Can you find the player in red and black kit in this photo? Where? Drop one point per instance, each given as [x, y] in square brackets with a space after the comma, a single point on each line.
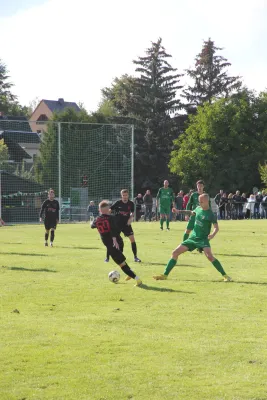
[50, 209]
[124, 214]
[106, 226]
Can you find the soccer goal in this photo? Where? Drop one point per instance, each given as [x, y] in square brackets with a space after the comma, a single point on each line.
[82, 162]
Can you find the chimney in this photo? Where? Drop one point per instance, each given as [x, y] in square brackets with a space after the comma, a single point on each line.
[61, 101]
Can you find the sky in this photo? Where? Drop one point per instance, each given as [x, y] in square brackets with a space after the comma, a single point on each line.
[72, 49]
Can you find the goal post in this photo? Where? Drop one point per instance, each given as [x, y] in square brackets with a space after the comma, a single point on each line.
[82, 162]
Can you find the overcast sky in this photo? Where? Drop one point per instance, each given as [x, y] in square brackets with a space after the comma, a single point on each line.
[73, 48]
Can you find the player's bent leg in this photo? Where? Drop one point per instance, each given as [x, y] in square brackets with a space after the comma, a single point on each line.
[171, 263]
[216, 263]
[127, 270]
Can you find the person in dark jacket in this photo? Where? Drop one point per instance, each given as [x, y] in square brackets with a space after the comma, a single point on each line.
[148, 202]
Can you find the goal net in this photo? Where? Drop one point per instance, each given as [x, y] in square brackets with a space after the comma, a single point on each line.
[82, 162]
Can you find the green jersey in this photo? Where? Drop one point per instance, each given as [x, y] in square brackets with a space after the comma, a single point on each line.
[165, 197]
[204, 220]
[193, 202]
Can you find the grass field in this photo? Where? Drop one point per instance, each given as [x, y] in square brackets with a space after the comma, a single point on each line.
[68, 333]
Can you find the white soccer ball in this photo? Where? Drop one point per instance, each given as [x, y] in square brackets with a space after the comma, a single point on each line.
[114, 276]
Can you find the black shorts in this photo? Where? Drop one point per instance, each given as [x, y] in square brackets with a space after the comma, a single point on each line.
[127, 230]
[117, 256]
[50, 224]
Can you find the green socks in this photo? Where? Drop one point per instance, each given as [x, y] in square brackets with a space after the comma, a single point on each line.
[170, 266]
[161, 222]
[186, 236]
[167, 223]
[216, 263]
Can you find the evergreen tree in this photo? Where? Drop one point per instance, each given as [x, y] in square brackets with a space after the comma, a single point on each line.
[8, 101]
[210, 77]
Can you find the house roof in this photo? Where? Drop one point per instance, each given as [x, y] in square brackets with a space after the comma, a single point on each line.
[15, 151]
[12, 184]
[20, 136]
[8, 122]
[60, 105]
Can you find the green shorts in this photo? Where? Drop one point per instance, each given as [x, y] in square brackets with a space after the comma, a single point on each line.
[165, 210]
[191, 223]
[195, 243]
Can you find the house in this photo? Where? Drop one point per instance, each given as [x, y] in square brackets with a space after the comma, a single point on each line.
[45, 110]
[23, 144]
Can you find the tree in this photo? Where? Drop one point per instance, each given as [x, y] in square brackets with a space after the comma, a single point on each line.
[8, 101]
[3, 153]
[224, 143]
[210, 77]
[263, 173]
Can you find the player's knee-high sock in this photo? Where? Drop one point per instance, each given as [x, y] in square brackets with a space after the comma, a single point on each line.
[52, 236]
[216, 263]
[186, 236]
[121, 243]
[171, 264]
[46, 236]
[161, 222]
[107, 255]
[127, 270]
[167, 222]
[134, 249]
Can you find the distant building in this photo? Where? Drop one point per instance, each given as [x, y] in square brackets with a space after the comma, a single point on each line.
[45, 110]
[23, 144]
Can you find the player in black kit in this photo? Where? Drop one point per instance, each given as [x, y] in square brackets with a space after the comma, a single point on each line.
[124, 214]
[50, 209]
[106, 226]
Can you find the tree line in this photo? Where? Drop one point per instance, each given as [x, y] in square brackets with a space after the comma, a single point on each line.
[212, 128]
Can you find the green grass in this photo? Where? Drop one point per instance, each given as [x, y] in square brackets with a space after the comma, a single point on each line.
[76, 336]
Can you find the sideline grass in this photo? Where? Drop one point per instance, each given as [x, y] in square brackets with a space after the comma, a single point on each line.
[68, 333]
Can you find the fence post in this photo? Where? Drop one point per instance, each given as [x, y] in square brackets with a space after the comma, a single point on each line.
[59, 169]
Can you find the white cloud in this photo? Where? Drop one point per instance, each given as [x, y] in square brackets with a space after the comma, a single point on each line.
[72, 49]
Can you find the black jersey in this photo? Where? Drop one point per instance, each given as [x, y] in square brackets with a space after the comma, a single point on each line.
[106, 226]
[122, 211]
[50, 209]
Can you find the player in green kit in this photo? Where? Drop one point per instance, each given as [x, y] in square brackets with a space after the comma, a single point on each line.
[165, 199]
[192, 204]
[200, 237]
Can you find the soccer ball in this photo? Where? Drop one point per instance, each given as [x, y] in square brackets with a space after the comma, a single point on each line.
[114, 276]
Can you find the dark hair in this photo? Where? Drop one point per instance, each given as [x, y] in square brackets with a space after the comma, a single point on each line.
[200, 182]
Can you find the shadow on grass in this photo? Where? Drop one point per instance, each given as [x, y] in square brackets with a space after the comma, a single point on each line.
[29, 269]
[227, 283]
[178, 265]
[23, 254]
[162, 289]
[237, 255]
[11, 242]
[78, 247]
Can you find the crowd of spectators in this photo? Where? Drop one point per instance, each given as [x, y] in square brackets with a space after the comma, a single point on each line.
[241, 206]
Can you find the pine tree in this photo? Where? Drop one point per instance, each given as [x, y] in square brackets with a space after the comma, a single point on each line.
[154, 101]
[210, 77]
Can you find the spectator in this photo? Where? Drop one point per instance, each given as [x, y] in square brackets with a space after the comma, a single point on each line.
[185, 200]
[148, 202]
[92, 210]
[179, 200]
[138, 201]
[223, 206]
[258, 200]
[237, 205]
[229, 206]
[244, 202]
[264, 205]
[218, 196]
[250, 206]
